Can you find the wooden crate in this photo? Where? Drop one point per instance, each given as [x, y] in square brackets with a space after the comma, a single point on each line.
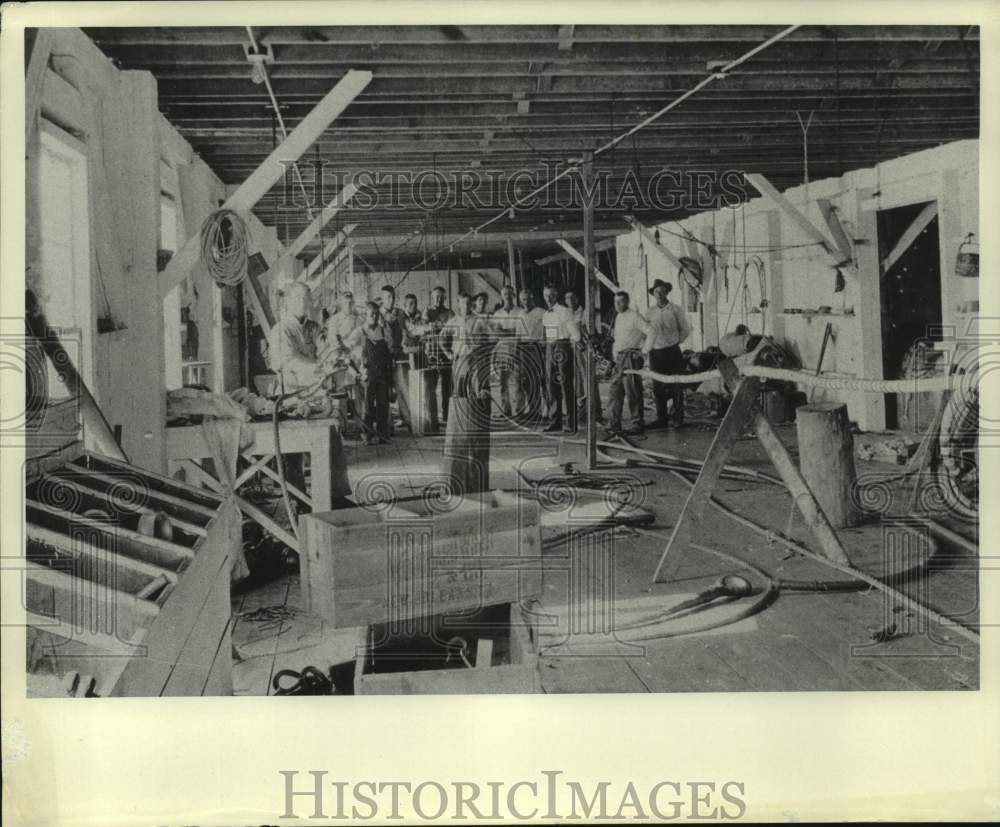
[419, 557]
[502, 655]
[143, 616]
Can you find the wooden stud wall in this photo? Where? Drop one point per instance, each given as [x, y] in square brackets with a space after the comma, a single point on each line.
[115, 115]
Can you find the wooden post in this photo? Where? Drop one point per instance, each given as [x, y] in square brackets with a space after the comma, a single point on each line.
[826, 459]
[467, 446]
[589, 289]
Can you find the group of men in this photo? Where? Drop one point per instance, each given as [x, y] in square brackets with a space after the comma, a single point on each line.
[536, 354]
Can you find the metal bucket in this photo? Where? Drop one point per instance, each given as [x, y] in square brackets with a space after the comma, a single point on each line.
[967, 261]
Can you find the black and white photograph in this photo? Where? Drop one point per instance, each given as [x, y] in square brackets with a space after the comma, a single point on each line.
[502, 359]
[498, 358]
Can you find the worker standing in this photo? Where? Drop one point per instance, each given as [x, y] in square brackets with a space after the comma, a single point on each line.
[412, 357]
[343, 323]
[482, 341]
[338, 327]
[438, 370]
[458, 344]
[630, 332]
[530, 367]
[394, 318]
[292, 352]
[580, 354]
[375, 338]
[561, 336]
[505, 329]
[670, 328]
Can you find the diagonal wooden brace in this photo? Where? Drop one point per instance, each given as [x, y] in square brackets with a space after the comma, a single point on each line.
[742, 409]
[844, 264]
[272, 169]
[649, 238]
[603, 279]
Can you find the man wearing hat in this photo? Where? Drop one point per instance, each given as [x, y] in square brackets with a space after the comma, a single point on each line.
[669, 328]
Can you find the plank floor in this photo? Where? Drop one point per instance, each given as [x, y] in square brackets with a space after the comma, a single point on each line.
[804, 641]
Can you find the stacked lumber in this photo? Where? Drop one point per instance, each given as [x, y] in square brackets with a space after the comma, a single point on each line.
[127, 581]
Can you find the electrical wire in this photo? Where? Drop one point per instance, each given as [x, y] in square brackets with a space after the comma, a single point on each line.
[281, 120]
[573, 165]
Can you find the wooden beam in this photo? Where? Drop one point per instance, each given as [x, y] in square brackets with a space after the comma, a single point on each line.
[511, 265]
[836, 228]
[802, 496]
[34, 80]
[574, 253]
[599, 246]
[917, 226]
[316, 225]
[710, 303]
[732, 426]
[34, 85]
[650, 239]
[329, 270]
[259, 303]
[273, 168]
[421, 37]
[328, 250]
[269, 525]
[566, 38]
[765, 188]
[590, 298]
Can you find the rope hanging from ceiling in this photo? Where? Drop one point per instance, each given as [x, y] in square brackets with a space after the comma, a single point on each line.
[224, 240]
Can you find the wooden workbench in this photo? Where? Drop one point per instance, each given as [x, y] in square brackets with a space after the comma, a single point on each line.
[320, 438]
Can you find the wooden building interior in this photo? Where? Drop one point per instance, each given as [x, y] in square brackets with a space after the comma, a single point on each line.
[818, 185]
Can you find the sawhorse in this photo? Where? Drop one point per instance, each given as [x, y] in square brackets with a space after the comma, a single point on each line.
[744, 410]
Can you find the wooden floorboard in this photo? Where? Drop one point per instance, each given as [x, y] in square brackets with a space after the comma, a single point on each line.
[589, 675]
[803, 642]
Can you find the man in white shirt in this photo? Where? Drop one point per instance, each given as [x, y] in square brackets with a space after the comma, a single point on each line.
[292, 343]
[580, 352]
[505, 328]
[670, 328]
[464, 338]
[342, 323]
[435, 318]
[631, 331]
[530, 367]
[561, 336]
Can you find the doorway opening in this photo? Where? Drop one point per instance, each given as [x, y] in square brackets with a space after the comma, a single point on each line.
[910, 294]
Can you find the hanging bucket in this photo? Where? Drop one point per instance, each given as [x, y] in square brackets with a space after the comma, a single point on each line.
[967, 261]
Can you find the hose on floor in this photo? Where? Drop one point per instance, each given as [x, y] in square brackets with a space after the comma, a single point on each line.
[883, 585]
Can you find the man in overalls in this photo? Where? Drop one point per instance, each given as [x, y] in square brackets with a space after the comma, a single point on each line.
[375, 338]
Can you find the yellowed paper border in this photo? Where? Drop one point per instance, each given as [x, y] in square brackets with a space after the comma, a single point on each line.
[216, 761]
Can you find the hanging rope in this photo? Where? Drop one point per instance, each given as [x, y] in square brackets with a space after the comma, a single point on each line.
[224, 240]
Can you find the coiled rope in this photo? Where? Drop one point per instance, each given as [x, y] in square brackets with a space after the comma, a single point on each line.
[224, 247]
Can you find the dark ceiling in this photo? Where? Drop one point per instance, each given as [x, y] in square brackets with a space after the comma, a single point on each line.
[474, 100]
